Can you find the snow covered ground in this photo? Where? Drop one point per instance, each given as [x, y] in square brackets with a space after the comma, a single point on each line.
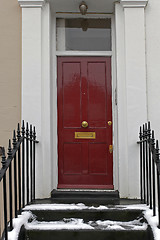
[75, 223]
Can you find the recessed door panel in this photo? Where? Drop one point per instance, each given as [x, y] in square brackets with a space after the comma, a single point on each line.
[97, 94]
[84, 109]
[71, 84]
[72, 158]
[97, 151]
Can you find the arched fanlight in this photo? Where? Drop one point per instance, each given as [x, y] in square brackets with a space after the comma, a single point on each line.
[83, 8]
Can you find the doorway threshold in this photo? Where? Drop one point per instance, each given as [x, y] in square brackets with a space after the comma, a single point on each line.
[84, 190]
[85, 196]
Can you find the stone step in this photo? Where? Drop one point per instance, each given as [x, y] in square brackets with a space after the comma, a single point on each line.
[114, 214]
[87, 197]
[83, 222]
[88, 234]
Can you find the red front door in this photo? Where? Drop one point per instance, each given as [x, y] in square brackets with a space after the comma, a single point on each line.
[84, 94]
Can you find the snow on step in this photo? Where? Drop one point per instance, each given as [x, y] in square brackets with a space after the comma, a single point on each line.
[17, 224]
[77, 224]
[79, 206]
[71, 224]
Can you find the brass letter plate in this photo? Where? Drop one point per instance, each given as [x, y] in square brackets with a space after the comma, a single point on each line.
[85, 135]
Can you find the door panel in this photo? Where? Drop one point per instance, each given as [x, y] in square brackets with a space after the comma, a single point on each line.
[84, 94]
[72, 165]
[97, 151]
[71, 94]
[97, 94]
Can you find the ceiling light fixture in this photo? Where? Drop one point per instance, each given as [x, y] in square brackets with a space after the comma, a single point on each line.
[83, 8]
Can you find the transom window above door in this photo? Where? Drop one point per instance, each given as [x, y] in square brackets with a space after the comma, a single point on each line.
[82, 34]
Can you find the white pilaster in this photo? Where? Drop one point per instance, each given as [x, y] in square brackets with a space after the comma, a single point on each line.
[134, 3]
[31, 3]
[131, 80]
[36, 84]
[122, 102]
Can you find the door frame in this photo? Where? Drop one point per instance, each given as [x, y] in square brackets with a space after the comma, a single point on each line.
[105, 179]
[56, 54]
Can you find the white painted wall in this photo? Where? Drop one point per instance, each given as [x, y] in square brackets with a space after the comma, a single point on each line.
[153, 63]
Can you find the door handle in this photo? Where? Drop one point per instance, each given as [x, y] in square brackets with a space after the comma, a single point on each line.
[109, 123]
[84, 124]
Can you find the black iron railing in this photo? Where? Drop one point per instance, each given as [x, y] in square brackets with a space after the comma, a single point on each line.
[149, 169]
[22, 184]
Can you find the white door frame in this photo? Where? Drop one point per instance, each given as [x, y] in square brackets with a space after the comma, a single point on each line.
[55, 54]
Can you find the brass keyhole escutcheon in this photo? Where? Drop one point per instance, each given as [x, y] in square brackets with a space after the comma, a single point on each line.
[109, 123]
[84, 124]
[110, 148]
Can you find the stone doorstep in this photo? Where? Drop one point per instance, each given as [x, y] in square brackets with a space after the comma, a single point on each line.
[124, 229]
[88, 234]
[88, 214]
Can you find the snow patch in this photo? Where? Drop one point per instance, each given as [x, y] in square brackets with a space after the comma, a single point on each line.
[115, 227]
[153, 222]
[148, 214]
[18, 223]
[79, 206]
[129, 223]
[72, 223]
[108, 224]
[76, 223]
[135, 206]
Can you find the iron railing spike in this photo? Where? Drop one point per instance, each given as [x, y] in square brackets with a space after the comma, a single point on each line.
[9, 148]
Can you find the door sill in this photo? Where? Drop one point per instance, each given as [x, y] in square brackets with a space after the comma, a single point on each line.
[85, 187]
[83, 190]
[85, 196]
